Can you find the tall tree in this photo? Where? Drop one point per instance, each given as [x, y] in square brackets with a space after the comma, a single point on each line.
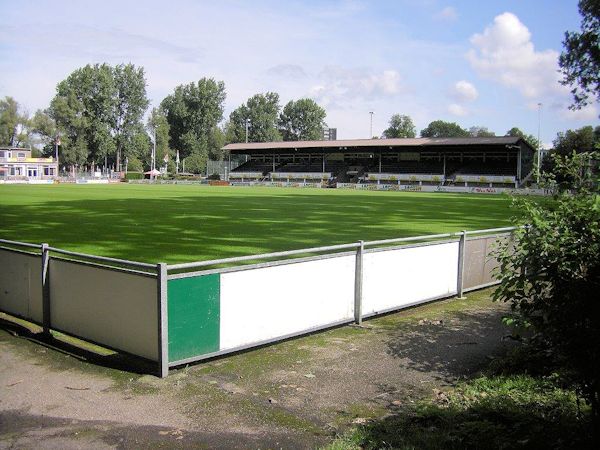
[129, 107]
[99, 109]
[580, 61]
[530, 138]
[158, 127]
[401, 126]
[261, 111]
[479, 131]
[583, 140]
[442, 129]
[302, 120]
[13, 123]
[216, 142]
[192, 112]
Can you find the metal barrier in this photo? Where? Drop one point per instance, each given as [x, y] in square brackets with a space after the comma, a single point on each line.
[179, 313]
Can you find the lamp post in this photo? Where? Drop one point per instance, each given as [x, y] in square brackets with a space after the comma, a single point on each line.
[153, 164]
[539, 143]
[56, 144]
[371, 134]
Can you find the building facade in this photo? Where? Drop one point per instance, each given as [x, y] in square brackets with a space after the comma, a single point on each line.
[18, 164]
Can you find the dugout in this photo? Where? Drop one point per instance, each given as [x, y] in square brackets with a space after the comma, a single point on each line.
[504, 161]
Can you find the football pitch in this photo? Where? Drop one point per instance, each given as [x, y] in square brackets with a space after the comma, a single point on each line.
[182, 223]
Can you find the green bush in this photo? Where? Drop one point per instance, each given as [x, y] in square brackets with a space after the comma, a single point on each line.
[551, 277]
[134, 176]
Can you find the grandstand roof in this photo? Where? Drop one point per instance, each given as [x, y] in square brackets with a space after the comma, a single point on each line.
[374, 144]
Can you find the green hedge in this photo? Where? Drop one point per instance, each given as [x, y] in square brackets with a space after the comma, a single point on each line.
[134, 176]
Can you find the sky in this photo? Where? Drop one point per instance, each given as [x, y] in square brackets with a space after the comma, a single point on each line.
[478, 63]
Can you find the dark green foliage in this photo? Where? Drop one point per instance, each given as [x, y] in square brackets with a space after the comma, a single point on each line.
[531, 139]
[551, 277]
[134, 176]
[582, 140]
[478, 131]
[262, 113]
[302, 120]
[195, 163]
[193, 112]
[9, 121]
[580, 61]
[401, 126]
[97, 111]
[442, 129]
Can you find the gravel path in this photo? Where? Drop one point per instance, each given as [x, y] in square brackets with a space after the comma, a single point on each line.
[295, 394]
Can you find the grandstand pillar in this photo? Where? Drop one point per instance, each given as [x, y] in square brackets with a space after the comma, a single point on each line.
[358, 275]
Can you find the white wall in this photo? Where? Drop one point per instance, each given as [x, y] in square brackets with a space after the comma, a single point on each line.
[261, 304]
[113, 308]
[21, 285]
[396, 278]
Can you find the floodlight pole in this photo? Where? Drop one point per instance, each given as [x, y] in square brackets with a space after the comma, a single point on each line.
[371, 134]
[539, 144]
[56, 144]
[247, 121]
[153, 153]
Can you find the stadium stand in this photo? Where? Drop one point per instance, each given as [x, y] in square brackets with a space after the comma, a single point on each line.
[496, 161]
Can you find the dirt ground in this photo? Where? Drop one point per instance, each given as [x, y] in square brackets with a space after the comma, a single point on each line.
[295, 394]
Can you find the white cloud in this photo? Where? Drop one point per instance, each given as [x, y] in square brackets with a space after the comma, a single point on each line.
[457, 110]
[337, 85]
[448, 14]
[289, 71]
[587, 113]
[504, 53]
[463, 91]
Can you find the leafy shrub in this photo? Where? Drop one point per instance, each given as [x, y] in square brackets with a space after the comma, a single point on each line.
[552, 275]
[134, 176]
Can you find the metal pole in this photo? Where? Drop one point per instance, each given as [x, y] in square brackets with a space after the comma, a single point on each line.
[45, 289]
[539, 144]
[461, 264]
[358, 275]
[163, 322]
[371, 134]
[153, 155]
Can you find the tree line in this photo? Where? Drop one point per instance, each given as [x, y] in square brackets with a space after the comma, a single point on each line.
[98, 114]
[97, 117]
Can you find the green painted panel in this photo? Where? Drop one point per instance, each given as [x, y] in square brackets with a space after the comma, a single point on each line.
[194, 316]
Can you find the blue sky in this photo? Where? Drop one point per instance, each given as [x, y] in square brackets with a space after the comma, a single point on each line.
[486, 63]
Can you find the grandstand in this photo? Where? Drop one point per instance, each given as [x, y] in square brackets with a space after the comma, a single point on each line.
[470, 162]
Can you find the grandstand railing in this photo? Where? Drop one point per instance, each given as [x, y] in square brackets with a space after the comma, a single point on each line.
[301, 175]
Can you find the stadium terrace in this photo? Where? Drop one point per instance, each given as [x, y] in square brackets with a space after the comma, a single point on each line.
[503, 162]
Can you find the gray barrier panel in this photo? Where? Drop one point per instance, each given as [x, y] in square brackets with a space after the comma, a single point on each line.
[21, 284]
[107, 306]
[479, 264]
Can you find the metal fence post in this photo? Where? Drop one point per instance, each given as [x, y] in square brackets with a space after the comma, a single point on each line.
[163, 324]
[461, 264]
[358, 276]
[45, 289]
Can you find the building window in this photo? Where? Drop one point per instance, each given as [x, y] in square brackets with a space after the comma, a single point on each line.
[21, 155]
[2, 154]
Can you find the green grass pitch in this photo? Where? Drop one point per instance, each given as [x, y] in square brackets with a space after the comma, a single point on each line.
[177, 223]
